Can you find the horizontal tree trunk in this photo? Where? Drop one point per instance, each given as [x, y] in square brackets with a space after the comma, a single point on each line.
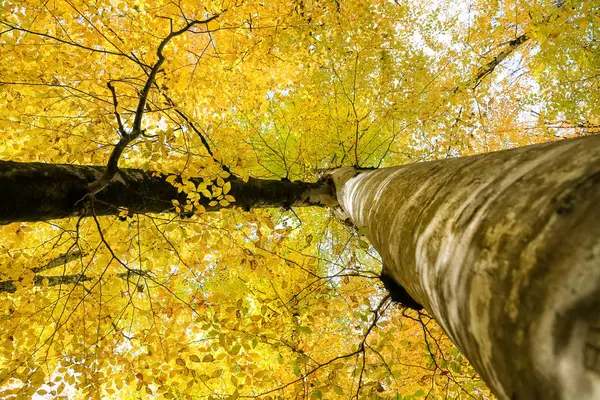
[503, 249]
[39, 192]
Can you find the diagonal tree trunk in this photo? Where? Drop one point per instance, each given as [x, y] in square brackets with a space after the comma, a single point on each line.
[503, 249]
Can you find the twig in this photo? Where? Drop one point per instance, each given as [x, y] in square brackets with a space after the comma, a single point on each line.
[115, 103]
[126, 138]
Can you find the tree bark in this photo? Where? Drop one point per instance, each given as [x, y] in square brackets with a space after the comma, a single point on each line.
[39, 192]
[503, 249]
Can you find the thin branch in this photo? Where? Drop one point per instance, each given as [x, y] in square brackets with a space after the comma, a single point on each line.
[202, 139]
[487, 69]
[82, 15]
[136, 130]
[137, 122]
[115, 103]
[377, 312]
[358, 351]
[91, 49]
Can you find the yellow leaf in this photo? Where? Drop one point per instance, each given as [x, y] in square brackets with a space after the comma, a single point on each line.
[212, 25]
[226, 187]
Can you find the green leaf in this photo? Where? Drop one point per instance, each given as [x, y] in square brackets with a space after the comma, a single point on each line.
[305, 329]
[235, 349]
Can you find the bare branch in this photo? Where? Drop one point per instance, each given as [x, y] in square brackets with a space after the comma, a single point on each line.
[202, 138]
[487, 69]
[115, 103]
[75, 44]
[136, 130]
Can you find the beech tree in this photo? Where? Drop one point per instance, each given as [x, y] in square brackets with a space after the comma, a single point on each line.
[278, 200]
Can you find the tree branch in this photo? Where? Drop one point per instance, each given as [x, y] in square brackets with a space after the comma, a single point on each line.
[487, 69]
[91, 49]
[53, 280]
[58, 261]
[115, 104]
[136, 130]
[202, 139]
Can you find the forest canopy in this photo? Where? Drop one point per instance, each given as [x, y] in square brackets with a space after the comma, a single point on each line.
[278, 302]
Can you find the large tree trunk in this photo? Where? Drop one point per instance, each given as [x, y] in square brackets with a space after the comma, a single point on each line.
[503, 249]
[39, 192]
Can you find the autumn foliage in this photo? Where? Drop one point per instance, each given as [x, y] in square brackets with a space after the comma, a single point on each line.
[268, 303]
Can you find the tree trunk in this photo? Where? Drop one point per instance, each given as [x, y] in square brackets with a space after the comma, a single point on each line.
[503, 249]
[39, 192]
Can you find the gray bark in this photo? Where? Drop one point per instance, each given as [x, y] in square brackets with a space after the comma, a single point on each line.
[503, 249]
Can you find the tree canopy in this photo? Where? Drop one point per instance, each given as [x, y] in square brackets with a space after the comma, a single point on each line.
[255, 302]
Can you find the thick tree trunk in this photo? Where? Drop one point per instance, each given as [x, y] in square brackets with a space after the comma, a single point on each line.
[39, 192]
[503, 249]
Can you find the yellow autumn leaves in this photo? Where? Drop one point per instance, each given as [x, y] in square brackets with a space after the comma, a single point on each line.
[217, 191]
